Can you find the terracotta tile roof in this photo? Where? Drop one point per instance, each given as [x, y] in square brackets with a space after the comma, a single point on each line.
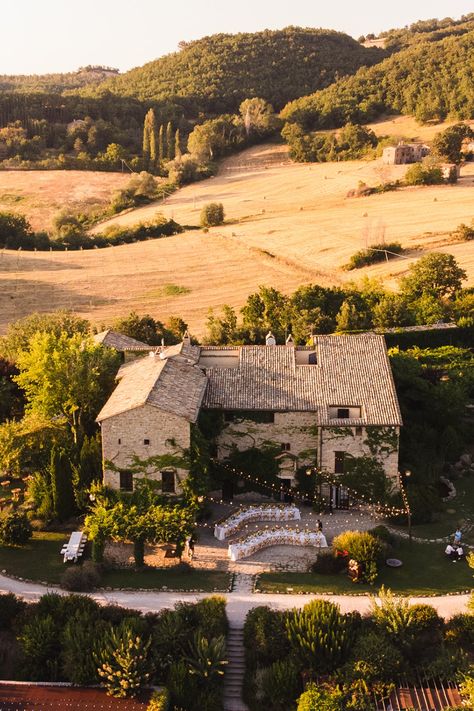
[350, 371]
[26, 697]
[170, 384]
[119, 342]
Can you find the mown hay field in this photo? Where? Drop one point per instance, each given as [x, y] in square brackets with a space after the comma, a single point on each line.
[286, 225]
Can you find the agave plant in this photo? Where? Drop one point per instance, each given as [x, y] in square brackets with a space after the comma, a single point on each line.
[207, 657]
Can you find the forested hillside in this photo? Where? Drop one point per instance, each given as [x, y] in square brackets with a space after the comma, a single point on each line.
[427, 31]
[429, 81]
[216, 73]
[55, 83]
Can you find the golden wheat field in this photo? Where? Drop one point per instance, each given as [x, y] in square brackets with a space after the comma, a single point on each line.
[286, 224]
[41, 194]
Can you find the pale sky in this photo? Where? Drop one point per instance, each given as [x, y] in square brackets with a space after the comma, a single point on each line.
[40, 36]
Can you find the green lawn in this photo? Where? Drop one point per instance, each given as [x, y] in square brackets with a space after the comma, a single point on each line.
[425, 571]
[157, 578]
[41, 561]
[459, 511]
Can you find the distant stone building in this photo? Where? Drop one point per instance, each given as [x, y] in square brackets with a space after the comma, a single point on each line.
[315, 405]
[404, 153]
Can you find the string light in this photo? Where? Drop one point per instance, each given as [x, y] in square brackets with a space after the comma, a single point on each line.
[378, 508]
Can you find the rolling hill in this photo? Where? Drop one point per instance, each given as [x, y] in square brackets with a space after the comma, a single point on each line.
[431, 80]
[216, 73]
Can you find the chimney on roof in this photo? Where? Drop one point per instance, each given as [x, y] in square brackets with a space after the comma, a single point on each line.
[186, 338]
[270, 339]
[289, 341]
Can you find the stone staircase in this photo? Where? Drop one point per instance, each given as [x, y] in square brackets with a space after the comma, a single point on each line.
[243, 582]
[234, 673]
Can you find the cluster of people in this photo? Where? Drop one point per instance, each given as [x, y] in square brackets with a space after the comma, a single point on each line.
[455, 550]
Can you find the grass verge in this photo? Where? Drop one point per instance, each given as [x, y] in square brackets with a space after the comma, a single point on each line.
[157, 578]
[425, 571]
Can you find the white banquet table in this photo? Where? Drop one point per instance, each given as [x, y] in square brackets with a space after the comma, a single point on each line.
[275, 537]
[268, 512]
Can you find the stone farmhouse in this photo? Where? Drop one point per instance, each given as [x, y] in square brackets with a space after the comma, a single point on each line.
[316, 405]
[404, 153]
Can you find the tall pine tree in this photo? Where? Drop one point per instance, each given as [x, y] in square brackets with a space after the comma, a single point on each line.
[61, 484]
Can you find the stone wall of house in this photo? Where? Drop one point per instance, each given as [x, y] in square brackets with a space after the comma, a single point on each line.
[296, 429]
[352, 441]
[124, 435]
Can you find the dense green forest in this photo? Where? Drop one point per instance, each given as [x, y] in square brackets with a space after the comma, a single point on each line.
[216, 73]
[429, 81]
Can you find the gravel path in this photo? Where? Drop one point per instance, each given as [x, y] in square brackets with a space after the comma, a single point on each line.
[238, 602]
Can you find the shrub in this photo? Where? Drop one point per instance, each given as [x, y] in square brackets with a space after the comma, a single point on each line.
[160, 700]
[212, 214]
[362, 547]
[182, 686]
[123, 661]
[372, 255]
[15, 231]
[211, 616]
[464, 232]
[321, 698]
[82, 578]
[10, 607]
[460, 631]
[265, 638]
[328, 564]
[383, 534]
[373, 658]
[281, 685]
[79, 641]
[320, 635]
[39, 641]
[420, 174]
[206, 660]
[15, 529]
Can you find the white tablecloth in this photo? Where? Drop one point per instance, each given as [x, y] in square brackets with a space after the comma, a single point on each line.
[225, 528]
[275, 537]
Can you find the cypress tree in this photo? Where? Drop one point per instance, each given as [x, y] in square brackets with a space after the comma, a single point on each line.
[153, 137]
[177, 145]
[169, 141]
[89, 463]
[146, 140]
[61, 484]
[161, 148]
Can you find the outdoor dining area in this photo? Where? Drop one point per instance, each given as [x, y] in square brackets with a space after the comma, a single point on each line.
[264, 512]
[74, 548]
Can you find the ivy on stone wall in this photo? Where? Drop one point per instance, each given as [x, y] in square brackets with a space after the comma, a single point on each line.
[338, 432]
[381, 441]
